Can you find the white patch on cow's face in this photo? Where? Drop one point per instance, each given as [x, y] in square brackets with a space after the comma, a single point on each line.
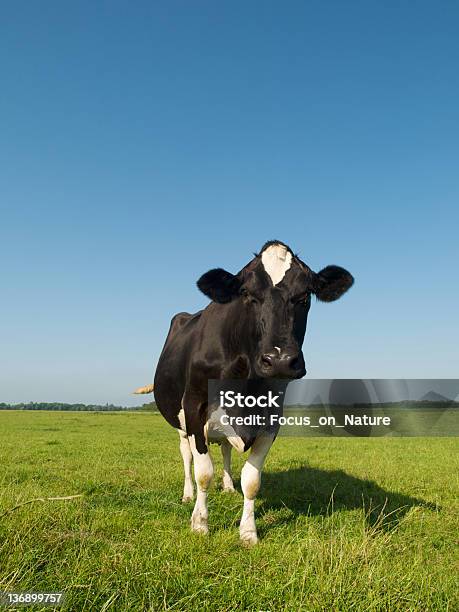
[276, 260]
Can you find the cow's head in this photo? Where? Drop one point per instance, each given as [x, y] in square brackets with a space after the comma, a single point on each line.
[274, 292]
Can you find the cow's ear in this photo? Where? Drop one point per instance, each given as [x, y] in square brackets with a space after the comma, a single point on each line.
[219, 285]
[331, 282]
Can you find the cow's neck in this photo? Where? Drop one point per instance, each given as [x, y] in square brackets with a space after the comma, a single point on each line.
[239, 329]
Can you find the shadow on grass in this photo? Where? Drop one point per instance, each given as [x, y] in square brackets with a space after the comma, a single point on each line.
[302, 490]
[310, 491]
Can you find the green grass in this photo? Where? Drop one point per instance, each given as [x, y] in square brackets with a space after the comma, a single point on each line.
[345, 524]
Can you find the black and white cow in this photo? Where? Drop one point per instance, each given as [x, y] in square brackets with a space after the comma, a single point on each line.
[253, 329]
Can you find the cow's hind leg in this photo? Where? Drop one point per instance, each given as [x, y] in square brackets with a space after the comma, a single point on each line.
[228, 485]
[203, 473]
[185, 450]
[250, 482]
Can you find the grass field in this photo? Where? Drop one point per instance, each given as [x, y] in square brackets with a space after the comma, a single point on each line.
[345, 524]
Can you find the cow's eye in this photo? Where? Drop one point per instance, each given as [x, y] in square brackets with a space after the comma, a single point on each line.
[303, 301]
[248, 296]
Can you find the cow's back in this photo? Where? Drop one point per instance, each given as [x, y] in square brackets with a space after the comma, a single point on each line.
[171, 371]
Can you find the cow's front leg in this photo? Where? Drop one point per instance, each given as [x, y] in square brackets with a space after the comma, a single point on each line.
[228, 485]
[203, 473]
[250, 482]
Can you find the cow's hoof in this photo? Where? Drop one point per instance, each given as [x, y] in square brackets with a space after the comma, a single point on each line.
[186, 499]
[200, 529]
[227, 484]
[249, 538]
[199, 525]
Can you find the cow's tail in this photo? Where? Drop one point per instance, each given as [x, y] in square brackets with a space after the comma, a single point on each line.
[144, 390]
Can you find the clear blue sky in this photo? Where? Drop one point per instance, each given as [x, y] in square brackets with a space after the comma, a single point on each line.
[144, 143]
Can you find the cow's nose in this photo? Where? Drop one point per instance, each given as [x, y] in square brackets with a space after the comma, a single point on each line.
[282, 363]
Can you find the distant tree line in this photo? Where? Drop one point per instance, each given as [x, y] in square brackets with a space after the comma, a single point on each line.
[77, 407]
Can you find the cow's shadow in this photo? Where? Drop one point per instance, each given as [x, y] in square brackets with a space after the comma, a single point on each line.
[305, 490]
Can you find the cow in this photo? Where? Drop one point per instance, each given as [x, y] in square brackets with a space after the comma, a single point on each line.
[252, 329]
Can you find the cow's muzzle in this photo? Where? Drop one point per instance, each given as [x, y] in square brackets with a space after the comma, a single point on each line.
[282, 364]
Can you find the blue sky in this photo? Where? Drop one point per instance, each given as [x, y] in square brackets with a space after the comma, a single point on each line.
[144, 143]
